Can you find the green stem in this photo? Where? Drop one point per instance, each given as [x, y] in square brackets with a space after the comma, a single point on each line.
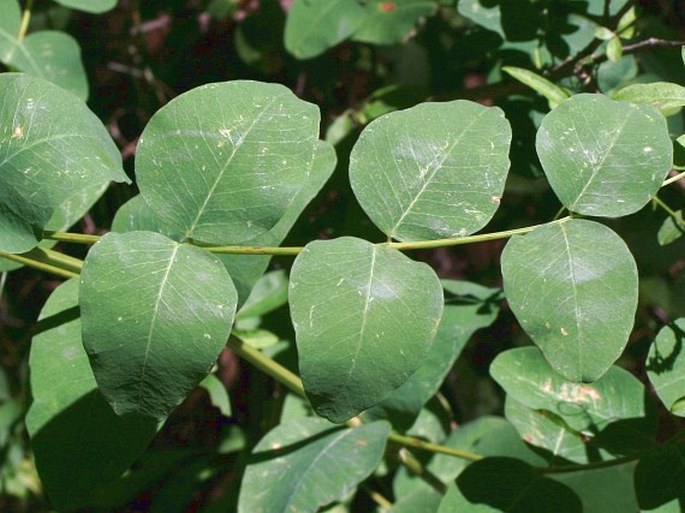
[416, 467]
[78, 238]
[40, 265]
[266, 365]
[676, 218]
[25, 18]
[471, 239]
[673, 179]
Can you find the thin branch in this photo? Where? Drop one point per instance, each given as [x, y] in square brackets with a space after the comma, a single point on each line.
[673, 179]
[25, 18]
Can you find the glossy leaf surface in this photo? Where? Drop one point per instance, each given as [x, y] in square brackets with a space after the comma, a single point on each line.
[573, 287]
[221, 163]
[365, 317]
[80, 444]
[303, 465]
[51, 145]
[155, 316]
[433, 171]
[602, 157]
[666, 367]
[617, 398]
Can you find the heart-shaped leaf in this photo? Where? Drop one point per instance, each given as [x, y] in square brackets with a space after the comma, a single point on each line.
[155, 315]
[364, 317]
[221, 163]
[74, 463]
[573, 288]
[603, 157]
[433, 171]
[310, 463]
[51, 145]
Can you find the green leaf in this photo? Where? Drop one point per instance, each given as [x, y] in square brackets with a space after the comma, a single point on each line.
[666, 366]
[668, 97]
[554, 94]
[51, 145]
[433, 171]
[218, 394]
[393, 21]
[659, 478]
[268, 294]
[312, 27]
[221, 163]
[425, 500]
[80, 444]
[245, 270]
[544, 429]
[604, 489]
[602, 157]
[92, 6]
[53, 56]
[156, 314]
[365, 317]
[670, 230]
[306, 464]
[511, 485]
[614, 404]
[468, 307]
[573, 287]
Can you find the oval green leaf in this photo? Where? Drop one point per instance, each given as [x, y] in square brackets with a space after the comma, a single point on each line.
[155, 315]
[80, 444]
[573, 287]
[390, 22]
[436, 170]
[309, 463]
[666, 367]
[365, 317]
[603, 157]
[618, 398]
[313, 27]
[221, 163]
[51, 145]
[668, 97]
[91, 6]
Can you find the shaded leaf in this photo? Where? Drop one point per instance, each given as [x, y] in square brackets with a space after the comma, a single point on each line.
[80, 444]
[51, 145]
[435, 170]
[221, 163]
[155, 316]
[269, 293]
[573, 287]
[671, 229]
[342, 294]
[313, 464]
[218, 394]
[612, 408]
[313, 27]
[602, 157]
[554, 93]
[508, 485]
[468, 307]
[659, 479]
[666, 367]
[604, 489]
[390, 22]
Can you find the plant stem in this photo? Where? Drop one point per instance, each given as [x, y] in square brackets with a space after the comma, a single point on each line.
[673, 179]
[416, 467]
[672, 213]
[266, 365]
[40, 265]
[78, 238]
[409, 441]
[471, 239]
[25, 18]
